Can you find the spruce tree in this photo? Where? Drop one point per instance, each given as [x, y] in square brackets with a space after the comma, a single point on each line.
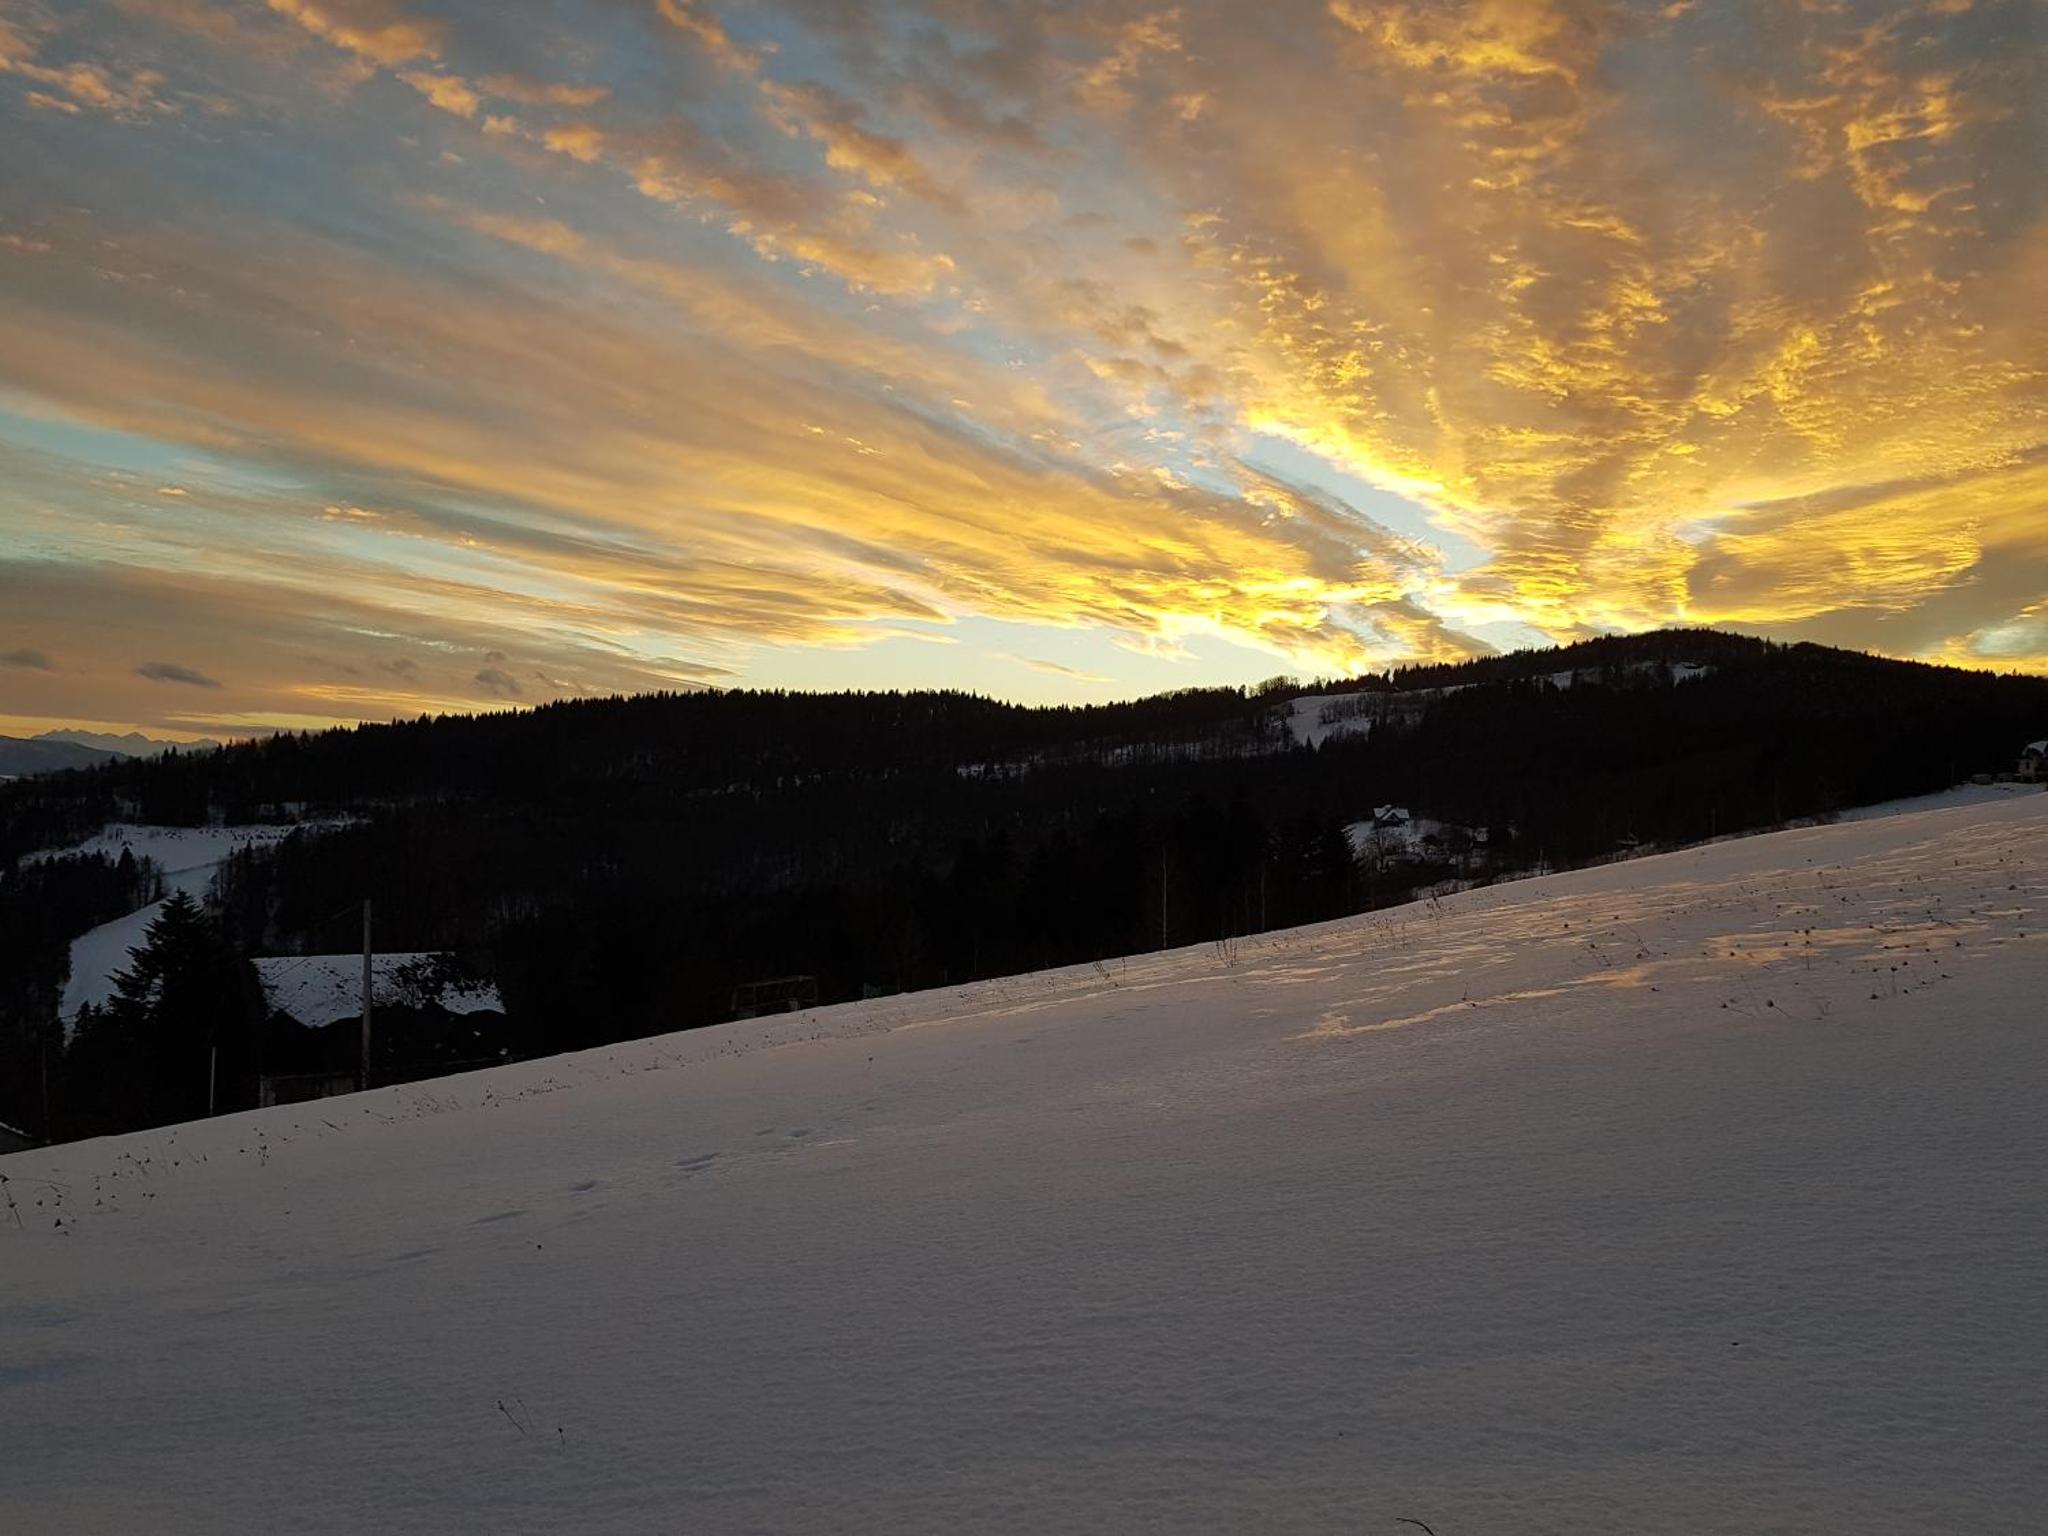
[148, 1057]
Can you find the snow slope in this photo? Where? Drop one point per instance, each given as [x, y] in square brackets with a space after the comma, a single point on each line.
[1699, 1193]
[1350, 714]
[1944, 799]
[189, 857]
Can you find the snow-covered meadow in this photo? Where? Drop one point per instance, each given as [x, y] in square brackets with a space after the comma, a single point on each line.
[190, 858]
[1699, 1193]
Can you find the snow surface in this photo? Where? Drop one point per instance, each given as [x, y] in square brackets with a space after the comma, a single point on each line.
[189, 857]
[1314, 718]
[324, 989]
[1675, 672]
[1943, 799]
[1349, 714]
[1698, 1193]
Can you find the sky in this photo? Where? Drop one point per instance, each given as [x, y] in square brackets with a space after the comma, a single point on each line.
[365, 358]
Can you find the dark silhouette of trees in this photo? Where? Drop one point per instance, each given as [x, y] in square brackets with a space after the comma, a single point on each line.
[177, 1033]
[621, 865]
[44, 904]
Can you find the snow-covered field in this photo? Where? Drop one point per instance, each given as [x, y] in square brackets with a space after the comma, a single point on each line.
[1945, 799]
[190, 858]
[1700, 1193]
[1315, 718]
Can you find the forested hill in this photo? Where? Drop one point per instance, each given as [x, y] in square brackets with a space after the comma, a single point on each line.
[621, 866]
[718, 742]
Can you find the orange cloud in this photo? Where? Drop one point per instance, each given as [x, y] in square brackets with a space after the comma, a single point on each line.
[81, 85]
[579, 141]
[709, 33]
[543, 93]
[447, 92]
[376, 31]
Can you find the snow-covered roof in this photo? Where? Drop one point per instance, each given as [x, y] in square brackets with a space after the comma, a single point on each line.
[321, 989]
[2038, 748]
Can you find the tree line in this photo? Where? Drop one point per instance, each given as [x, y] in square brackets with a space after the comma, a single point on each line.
[622, 866]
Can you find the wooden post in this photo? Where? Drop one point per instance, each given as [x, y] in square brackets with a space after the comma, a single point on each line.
[366, 993]
[1162, 898]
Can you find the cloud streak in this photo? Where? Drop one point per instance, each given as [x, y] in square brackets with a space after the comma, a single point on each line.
[172, 672]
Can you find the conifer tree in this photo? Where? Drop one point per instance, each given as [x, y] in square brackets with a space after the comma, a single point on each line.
[176, 1026]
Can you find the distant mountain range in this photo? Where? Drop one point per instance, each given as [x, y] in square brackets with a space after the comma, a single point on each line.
[20, 758]
[128, 744]
[55, 751]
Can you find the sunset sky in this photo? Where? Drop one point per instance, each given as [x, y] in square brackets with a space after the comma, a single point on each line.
[360, 358]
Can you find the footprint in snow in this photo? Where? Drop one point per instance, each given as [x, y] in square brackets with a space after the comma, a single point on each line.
[696, 1164]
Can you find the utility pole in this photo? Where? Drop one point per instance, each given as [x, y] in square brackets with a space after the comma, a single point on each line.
[212, 1076]
[1162, 898]
[366, 992]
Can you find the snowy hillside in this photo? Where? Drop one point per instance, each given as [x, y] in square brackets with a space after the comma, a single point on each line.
[1698, 1193]
[1315, 718]
[190, 857]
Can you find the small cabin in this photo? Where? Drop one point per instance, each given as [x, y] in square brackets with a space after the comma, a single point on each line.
[2033, 765]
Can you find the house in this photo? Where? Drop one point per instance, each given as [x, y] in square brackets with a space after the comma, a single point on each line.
[428, 1017]
[12, 1140]
[2033, 767]
[1395, 835]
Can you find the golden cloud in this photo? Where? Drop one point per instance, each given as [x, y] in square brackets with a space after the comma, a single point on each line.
[376, 31]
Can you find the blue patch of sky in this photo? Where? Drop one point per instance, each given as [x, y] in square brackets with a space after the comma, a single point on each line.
[95, 449]
[1389, 509]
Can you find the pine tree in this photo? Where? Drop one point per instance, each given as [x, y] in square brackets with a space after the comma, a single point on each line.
[148, 1057]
